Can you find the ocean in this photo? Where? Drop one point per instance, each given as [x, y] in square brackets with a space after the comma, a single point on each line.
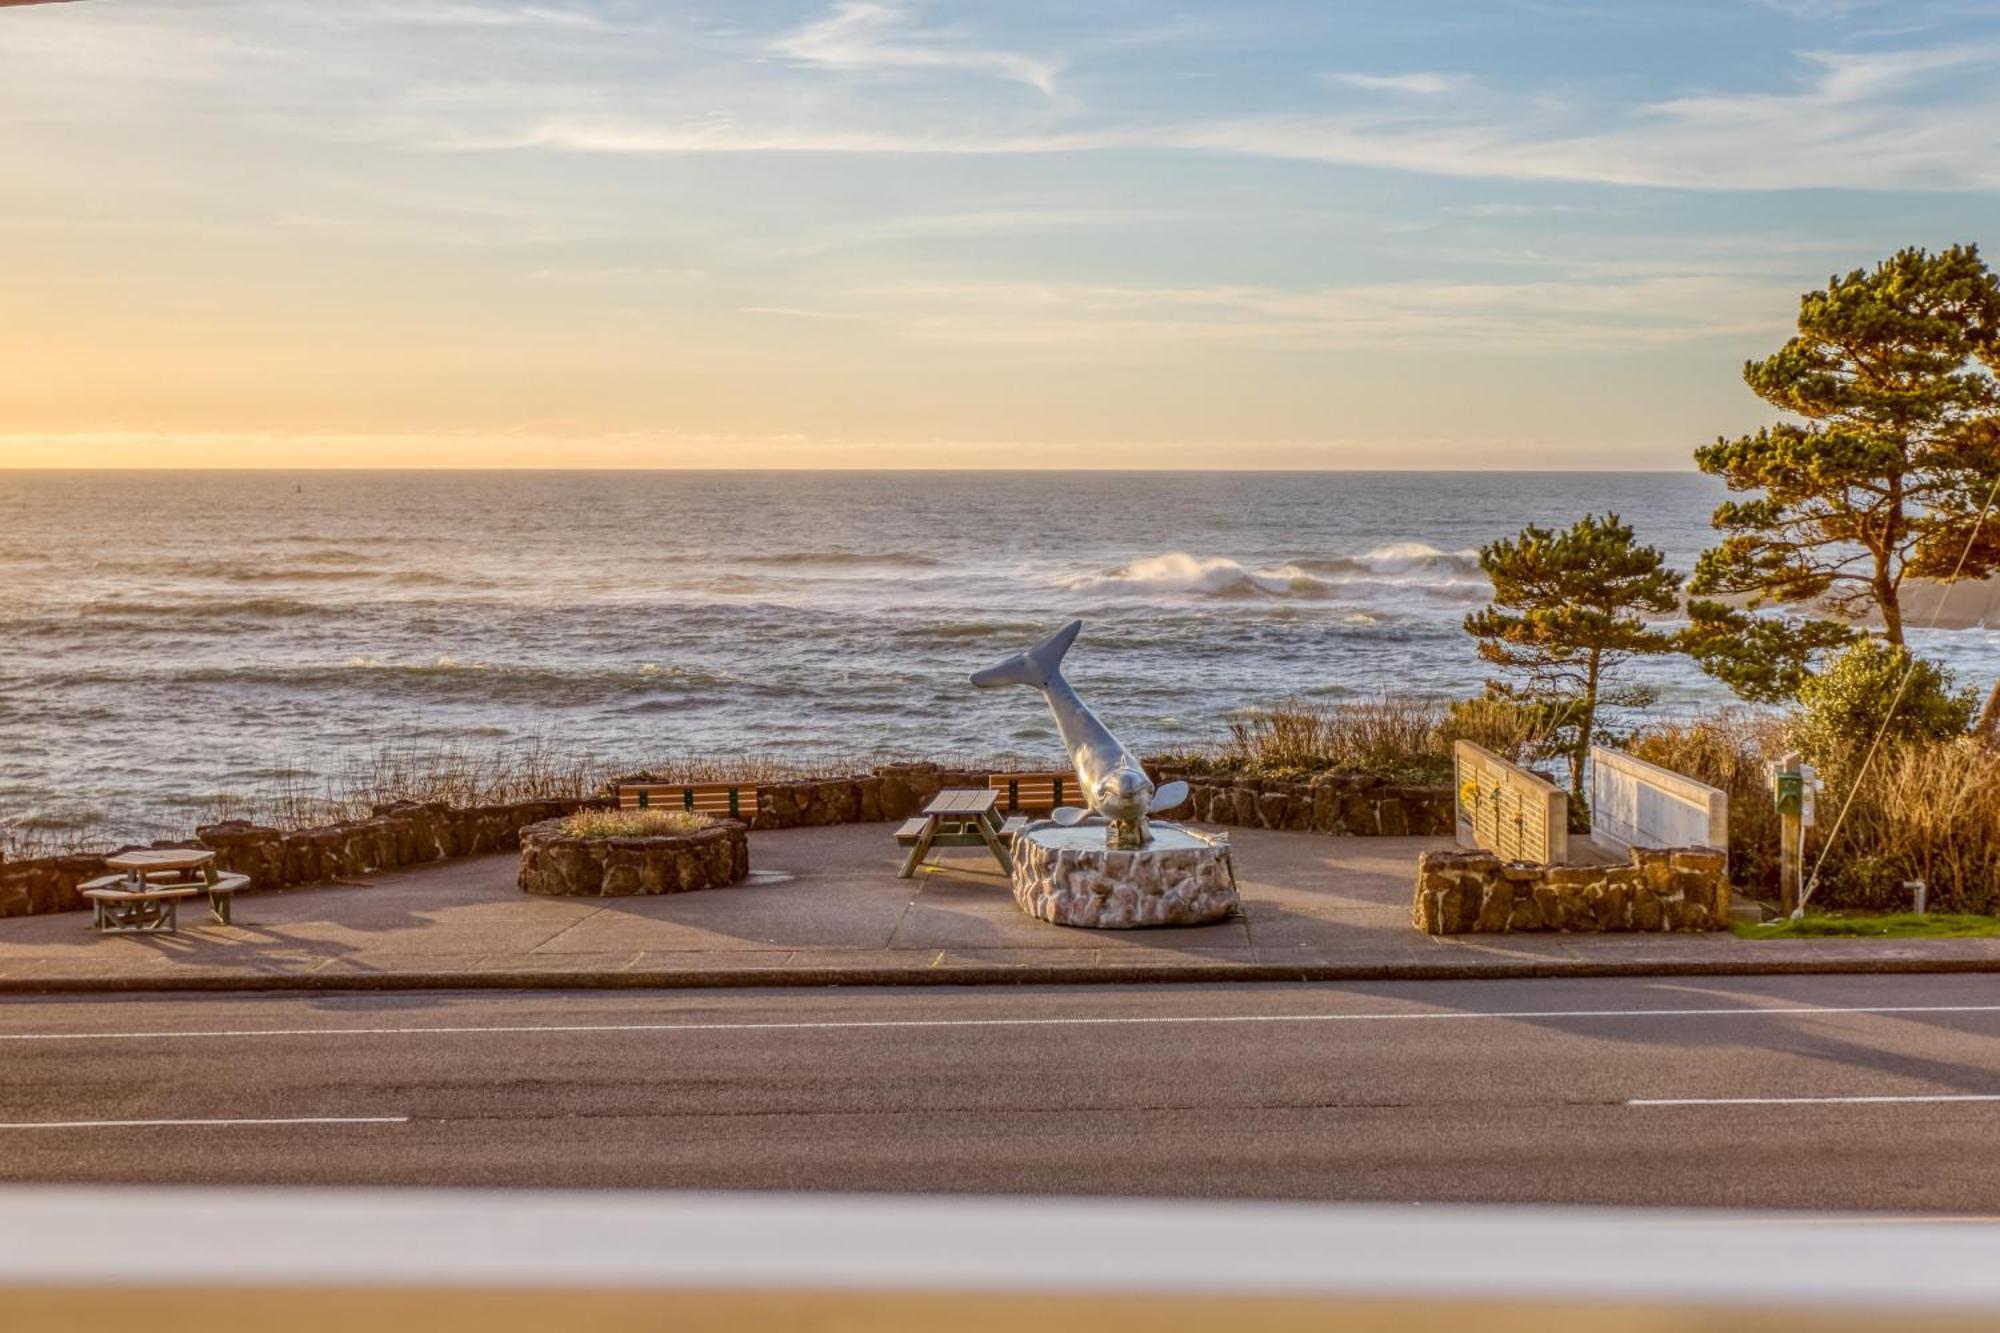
[174, 636]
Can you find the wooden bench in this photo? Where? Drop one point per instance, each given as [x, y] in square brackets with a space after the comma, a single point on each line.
[1034, 793]
[221, 890]
[911, 829]
[119, 908]
[733, 800]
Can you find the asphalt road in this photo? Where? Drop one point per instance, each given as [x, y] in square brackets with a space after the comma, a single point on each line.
[1813, 1092]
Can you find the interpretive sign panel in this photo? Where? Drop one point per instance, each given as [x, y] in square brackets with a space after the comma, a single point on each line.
[1507, 810]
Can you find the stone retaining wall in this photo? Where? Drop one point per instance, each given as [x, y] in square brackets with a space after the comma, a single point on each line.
[408, 833]
[1675, 888]
[402, 834]
[557, 865]
[1342, 804]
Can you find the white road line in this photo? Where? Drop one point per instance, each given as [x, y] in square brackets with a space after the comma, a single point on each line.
[1150, 1020]
[231, 1120]
[1816, 1101]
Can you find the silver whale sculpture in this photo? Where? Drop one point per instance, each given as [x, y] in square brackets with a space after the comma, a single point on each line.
[1109, 775]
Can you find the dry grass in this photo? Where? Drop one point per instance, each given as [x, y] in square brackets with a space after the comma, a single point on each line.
[30, 839]
[1395, 735]
[1405, 737]
[1382, 734]
[1928, 811]
[297, 798]
[1505, 727]
[634, 823]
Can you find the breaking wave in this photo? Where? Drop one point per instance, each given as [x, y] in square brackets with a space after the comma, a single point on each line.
[1413, 562]
[1411, 566]
[1179, 572]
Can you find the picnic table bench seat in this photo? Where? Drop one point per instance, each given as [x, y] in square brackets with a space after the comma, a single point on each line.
[221, 891]
[735, 800]
[118, 908]
[911, 829]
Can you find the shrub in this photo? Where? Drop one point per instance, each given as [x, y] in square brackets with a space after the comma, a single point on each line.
[633, 823]
[1512, 728]
[1843, 707]
[1401, 737]
[1391, 735]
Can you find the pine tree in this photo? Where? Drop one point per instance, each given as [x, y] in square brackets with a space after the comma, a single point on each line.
[1567, 610]
[1893, 374]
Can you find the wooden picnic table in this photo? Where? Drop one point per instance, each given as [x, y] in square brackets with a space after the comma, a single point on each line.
[141, 896]
[957, 817]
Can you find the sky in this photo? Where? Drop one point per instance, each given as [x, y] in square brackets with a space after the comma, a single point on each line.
[890, 233]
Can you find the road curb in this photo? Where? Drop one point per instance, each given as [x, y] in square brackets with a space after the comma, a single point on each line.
[975, 974]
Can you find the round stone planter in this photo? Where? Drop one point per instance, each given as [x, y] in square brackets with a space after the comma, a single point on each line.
[555, 864]
[1067, 876]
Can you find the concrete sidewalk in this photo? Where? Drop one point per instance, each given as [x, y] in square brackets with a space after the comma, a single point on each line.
[824, 907]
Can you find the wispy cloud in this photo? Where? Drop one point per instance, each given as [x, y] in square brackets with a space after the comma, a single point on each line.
[1865, 121]
[1511, 210]
[1538, 316]
[868, 35]
[1424, 84]
[466, 13]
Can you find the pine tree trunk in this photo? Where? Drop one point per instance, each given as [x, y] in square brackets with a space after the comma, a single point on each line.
[1584, 728]
[1888, 590]
[1889, 601]
[1892, 619]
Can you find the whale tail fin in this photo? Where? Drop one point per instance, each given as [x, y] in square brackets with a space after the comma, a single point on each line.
[1038, 666]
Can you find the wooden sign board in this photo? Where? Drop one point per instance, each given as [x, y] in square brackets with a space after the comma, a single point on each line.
[1507, 810]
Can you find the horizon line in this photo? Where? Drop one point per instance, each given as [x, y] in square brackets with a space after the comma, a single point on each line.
[23, 468]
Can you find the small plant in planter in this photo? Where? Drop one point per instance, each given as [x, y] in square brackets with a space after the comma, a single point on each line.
[612, 853]
[634, 823]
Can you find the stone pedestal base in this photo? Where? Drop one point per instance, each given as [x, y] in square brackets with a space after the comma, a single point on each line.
[1069, 877]
[556, 864]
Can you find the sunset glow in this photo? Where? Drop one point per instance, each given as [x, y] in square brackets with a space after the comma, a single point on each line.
[627, 233]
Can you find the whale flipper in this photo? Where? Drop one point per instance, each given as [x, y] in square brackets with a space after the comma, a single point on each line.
[1167, 797]
[1037, 667]
[1068, 816]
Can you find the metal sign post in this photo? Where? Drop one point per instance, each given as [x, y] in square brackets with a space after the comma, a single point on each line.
[1794, 790]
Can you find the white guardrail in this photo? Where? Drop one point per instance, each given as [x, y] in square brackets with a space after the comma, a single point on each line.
[81, 1260]
[1503, 808]
[1637, 804]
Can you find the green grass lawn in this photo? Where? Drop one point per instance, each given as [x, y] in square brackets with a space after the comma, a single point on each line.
[1873, 925]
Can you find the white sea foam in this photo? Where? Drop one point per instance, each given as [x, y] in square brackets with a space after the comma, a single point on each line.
[1179, 572]
[1398, 565]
